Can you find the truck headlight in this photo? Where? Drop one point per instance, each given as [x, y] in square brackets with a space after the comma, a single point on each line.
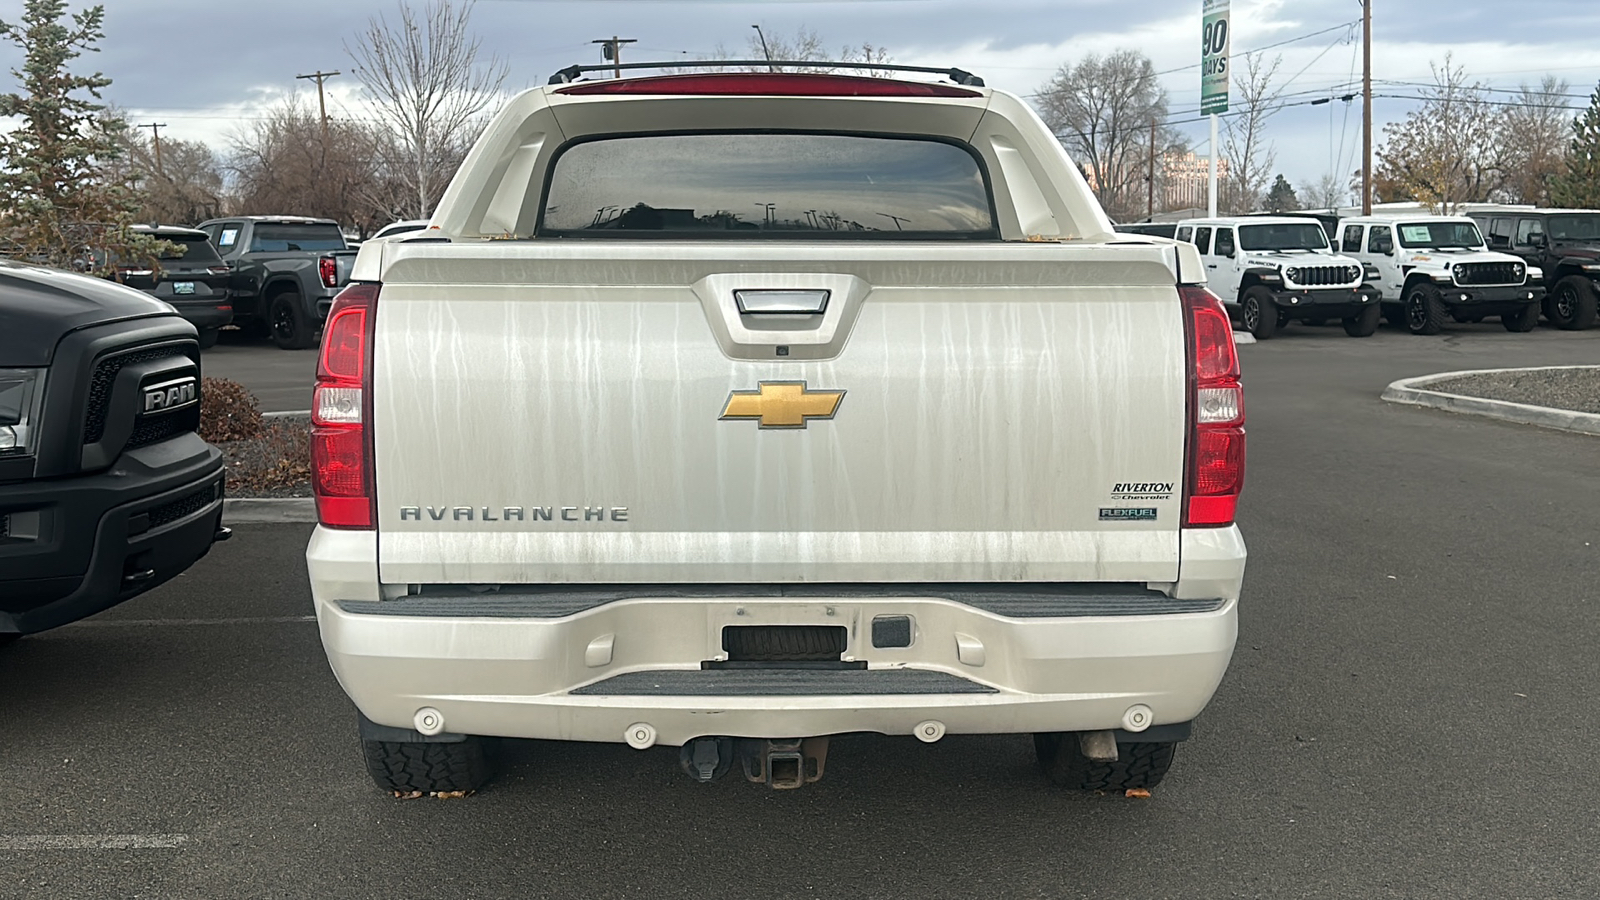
[1291, 273]
[20, 393]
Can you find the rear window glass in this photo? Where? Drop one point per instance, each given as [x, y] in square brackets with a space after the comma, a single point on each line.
[284, 237]
[767, 185]
[195, 249]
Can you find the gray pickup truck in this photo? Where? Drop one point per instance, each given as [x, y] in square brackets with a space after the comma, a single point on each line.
[286, 270]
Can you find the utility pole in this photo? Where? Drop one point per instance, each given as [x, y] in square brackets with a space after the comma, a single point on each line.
[155, 134]
[611, 49]
[1366, 107]
[322, 103]
[1150, 188]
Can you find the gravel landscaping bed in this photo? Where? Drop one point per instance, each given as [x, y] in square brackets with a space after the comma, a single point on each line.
[274, 463]
[1573, 389]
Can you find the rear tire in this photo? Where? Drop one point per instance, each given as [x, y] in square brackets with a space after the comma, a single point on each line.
[1572, 304]
[208, 338]
[291, 328]
[408, 766]
[1137, 766]
[1425, 310]
[1364, 324]
[1522, 321]
[1258, 313]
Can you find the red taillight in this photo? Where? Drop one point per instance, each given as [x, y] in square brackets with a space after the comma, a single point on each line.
[223, 269]
[772, 84]
[328, 268]
[341, 443]
[1216, 413]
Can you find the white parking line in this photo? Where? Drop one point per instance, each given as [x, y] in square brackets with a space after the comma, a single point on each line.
[91, 841]
[148, 623]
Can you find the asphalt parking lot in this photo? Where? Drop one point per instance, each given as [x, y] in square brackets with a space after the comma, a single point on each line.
[1411, 712]
[280, 379]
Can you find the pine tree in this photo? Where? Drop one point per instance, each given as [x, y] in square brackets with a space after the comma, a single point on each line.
[65, 203]
[1579, 186]
[1281, 197]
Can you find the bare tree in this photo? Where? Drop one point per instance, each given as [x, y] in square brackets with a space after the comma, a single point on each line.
[280, 166]
[803, 45]
[427, 87]
[1445, 151]
[1330, 192]
[1101, 109]
[187, 185]
[1249, 154]
[1534, 133]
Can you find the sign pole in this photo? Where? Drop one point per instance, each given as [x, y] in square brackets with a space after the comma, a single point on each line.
[1214, 41]
[1212, 195]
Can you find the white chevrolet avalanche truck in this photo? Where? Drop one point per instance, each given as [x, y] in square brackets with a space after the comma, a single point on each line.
[730, 412]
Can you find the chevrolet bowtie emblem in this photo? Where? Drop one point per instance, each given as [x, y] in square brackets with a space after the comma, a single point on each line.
[782, 404]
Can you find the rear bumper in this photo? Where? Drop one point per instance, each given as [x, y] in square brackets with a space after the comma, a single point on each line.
[211, 313]
[74, 543]
[491, 668]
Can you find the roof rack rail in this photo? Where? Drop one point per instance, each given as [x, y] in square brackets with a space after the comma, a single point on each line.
[959, 76]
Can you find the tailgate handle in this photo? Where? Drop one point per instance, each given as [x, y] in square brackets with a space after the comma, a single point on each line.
[781, 302]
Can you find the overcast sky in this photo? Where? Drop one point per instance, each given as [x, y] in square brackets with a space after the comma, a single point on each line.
[204, 68]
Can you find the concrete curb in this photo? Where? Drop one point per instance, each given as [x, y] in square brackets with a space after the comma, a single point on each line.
[259, 510]
[284, 413]
[1414, 392]
[1243, 337]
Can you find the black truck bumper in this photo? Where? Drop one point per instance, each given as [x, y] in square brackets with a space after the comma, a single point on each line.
[1489, 300]
[1326, 303]
[75, 546]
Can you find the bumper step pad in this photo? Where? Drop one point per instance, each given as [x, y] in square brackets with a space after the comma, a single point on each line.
[781, 683]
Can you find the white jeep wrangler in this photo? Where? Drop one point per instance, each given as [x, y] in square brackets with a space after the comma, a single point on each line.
[732, 411]
[1272, 270]
[1431, 269]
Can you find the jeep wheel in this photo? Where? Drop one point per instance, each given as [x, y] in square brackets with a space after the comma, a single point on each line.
[1363, 324]
[1572, 303]
[1137, 765]
[408, 766]
[208, 338]
[1258, 314]
[1523, 320]
[288, 323]
[1425, 311]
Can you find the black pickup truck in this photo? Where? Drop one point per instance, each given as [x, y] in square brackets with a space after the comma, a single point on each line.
[286, 271]
[106, 489]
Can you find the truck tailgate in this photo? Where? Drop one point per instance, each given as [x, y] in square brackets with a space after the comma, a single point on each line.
[594, 411]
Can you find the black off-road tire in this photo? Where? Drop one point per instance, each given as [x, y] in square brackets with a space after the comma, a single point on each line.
[1364, 324]
[1425, 309]
[208, 337]
[1522, 321]
[1258, 314]
[9, 637]
[287, 322]
[1571, 305]
[1137, 766]
[408, 766]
